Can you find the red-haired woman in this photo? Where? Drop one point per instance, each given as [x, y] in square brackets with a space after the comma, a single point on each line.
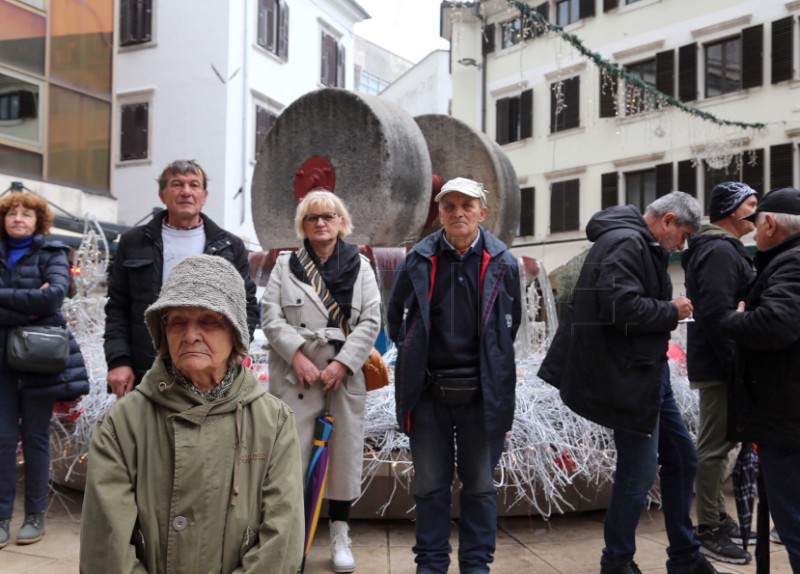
[33, 284]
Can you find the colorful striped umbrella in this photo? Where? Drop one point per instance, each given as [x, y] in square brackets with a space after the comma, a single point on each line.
[317, 474]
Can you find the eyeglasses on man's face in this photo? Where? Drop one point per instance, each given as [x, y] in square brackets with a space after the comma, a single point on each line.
[313, 218]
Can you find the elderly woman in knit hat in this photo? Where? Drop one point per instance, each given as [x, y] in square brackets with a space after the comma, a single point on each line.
[321, 318]
[198, 469]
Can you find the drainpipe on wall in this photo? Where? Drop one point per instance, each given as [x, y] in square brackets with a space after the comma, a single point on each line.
[479, 13]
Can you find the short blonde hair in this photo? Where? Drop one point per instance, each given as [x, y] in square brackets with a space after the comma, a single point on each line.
[326, 199]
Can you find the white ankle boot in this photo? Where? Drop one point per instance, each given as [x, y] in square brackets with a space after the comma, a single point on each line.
[341, 555]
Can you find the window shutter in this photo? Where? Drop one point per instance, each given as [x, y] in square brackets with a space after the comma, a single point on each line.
[526, 114]
[687, 177]
[135, 22]
[782, 50]
[687, 73]
[133, 132]
[609, 5]
[261, 31]
[587, 8]
[780, 166]
[663, 179]
[526, 210]
[488, 39]
[556, 207]
[502, 120]
[609, 190]
[283, 31]
[753, 170]
[608, 97]
[340, 66]
[665, 72]
[571, 205]
[271, 18]
[543, 10]
[572, 111]
[753, 56]
[328, 61]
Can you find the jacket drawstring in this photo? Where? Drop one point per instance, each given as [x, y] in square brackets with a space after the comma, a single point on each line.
[238, 456]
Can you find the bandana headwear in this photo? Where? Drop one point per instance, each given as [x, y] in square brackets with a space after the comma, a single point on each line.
[726, 197]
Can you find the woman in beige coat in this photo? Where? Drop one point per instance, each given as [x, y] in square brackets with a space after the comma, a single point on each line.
[311, 353]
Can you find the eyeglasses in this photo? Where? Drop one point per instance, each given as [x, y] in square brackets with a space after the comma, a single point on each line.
[207, 323]
[326, 217]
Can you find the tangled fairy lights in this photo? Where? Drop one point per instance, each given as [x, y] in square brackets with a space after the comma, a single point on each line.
[553, 460]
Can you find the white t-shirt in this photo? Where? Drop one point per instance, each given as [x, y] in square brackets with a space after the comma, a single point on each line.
[179, 243]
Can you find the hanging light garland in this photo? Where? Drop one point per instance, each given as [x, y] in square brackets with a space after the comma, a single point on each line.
[614, 72]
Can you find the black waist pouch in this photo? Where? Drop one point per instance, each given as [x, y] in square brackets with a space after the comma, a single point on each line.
[455, 387]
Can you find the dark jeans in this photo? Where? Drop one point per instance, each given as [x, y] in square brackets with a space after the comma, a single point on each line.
[781, 467]
[442, 437]
[34, 427]
[638, 460]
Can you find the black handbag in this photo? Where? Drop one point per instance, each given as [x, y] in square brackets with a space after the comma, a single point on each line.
[40, 349]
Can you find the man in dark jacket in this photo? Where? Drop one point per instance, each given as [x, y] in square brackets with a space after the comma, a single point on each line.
[146, 254]
[608, 360]
[454, 312]
[766, 330]
[718, 276]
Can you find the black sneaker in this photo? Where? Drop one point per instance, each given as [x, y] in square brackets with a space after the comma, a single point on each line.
[730, 527]
[716, 544]
[629, 568]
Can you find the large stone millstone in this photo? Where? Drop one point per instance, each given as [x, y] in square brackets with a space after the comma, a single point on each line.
[378, 153]
[457, 150]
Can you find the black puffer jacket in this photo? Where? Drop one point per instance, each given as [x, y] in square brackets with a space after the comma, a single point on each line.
[767, 336]
[718, 275]
[23, 302]
[609, 351]
[135, 282]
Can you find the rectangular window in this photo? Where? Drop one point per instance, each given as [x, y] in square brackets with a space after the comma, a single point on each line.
[332, 62]
[514, 117]
[22, 43]
[19, 110]
[564, 206]
[135, 22]
[264, 120]
[724, 67]
[609, 190]
[273, 27]
[134, 130]
[565, 104]
[370, 83]
[515, 31]
[567, 12]
[640, 188]
[638, 100]
[79, 136]
[527, 197]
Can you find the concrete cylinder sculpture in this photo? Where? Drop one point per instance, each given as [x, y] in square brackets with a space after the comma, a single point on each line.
[366, 150]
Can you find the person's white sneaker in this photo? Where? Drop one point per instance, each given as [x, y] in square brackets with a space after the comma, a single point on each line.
[341, 555]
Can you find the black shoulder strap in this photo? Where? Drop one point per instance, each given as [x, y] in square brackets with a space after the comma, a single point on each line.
[316, 281]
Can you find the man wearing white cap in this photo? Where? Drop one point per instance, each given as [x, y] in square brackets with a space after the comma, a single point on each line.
[453, 313]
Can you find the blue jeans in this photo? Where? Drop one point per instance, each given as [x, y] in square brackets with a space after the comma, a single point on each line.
[638, 460]
[34, 427]
[442, 436]
[781, 467]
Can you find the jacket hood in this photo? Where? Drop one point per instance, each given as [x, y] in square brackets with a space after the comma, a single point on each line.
[708, 233]
[618, 217]
[159, 387]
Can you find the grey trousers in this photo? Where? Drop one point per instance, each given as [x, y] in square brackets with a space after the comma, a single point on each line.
[712, 452]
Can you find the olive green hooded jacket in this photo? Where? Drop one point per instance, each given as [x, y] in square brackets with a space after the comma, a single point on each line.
[180, 484]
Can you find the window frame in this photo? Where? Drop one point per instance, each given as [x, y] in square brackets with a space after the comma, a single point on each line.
[272, 20]
[273, 114]
[124, 100]
[572, 5]
[568, 221]
[145, 33]
[724, 67]
[333, 60]
[562, 122]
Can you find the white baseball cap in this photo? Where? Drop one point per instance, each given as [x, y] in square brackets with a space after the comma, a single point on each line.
[465, 186]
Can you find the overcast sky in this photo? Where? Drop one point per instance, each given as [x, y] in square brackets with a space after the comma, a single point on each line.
[409, 28]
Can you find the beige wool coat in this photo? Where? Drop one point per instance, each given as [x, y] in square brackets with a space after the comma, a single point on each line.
[295, 318]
